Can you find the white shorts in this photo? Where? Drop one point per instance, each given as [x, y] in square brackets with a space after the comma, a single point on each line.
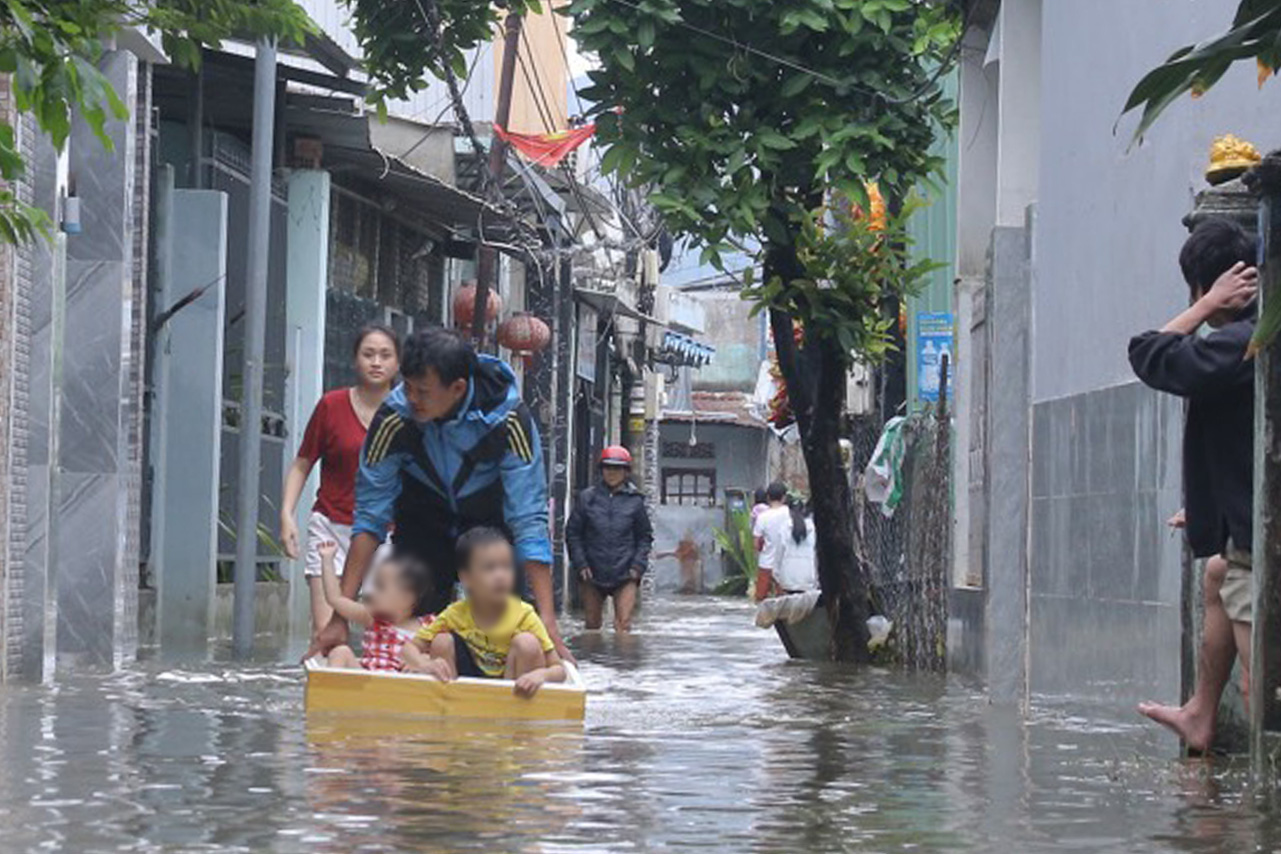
[320, 528]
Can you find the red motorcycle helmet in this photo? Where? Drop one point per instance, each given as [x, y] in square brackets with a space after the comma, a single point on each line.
[616, 455]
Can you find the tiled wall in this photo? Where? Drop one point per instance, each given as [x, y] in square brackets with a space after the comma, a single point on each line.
[9, 633]
[17, 271]
[75, 597]
[99, 409]
[1105, 571]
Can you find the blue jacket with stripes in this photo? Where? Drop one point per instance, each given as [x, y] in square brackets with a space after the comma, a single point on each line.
[434, 480]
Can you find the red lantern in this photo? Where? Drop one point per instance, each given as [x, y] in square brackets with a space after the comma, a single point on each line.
[524, 333]
[465, 306]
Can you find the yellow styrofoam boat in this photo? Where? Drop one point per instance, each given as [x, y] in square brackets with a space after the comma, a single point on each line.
[332, 689]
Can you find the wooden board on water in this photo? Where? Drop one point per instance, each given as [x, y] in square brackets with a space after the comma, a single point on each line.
[331, 689]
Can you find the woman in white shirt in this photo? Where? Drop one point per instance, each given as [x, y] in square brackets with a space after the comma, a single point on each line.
[787, 561]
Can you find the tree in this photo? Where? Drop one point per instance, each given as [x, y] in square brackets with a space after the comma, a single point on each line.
[752, 120]
[1255, 34]
[407, 43]
[50, 49]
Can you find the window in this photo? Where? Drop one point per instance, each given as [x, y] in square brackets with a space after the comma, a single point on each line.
[693, 487]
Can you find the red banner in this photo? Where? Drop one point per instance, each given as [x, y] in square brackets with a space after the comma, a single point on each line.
[547, 149]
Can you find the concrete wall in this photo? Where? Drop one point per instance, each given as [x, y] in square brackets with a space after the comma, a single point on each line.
[694, 525]
[1106, 470]
[738, 338]
[1081, 466]
[741, 454]
[1107, 248]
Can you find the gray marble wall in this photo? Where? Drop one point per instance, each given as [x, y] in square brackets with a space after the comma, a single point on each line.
[98, 401]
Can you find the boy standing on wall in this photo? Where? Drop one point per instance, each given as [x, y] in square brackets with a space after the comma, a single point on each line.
[1212, 373]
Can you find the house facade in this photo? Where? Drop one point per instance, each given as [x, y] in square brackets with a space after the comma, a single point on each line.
[123, 338]
[1067, 237]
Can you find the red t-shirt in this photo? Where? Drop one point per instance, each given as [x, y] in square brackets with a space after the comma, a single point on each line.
[334, 437]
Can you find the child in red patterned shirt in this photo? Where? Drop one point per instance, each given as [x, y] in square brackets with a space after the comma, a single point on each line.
[391, 614]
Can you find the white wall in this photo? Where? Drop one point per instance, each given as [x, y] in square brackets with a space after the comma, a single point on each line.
[1017, 48]
[1108, 229]
[431, 104]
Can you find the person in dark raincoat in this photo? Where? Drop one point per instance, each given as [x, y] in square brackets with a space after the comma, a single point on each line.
[609, 537]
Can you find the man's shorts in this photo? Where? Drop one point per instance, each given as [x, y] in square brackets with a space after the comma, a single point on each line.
[1237, 592]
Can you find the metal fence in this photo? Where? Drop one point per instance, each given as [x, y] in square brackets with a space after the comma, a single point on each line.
[907, 555]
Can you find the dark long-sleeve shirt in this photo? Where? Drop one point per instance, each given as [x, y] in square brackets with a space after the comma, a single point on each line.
[1217, 380]
[610, 534]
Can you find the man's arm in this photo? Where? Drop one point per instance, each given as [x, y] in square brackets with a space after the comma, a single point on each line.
[1177, 361]
[539, 576]
[360, 554]
[1232, 291]
[1192, 366]
[525, 512]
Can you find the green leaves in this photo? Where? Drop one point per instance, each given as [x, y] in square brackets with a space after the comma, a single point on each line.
[853, 264]
[399, 45]
[1255, 33]
[744, 115]
[52, 50]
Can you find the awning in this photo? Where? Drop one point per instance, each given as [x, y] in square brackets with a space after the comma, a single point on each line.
[346, 130]
[607, 302]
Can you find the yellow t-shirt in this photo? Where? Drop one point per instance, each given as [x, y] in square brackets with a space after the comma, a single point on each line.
[489, 647]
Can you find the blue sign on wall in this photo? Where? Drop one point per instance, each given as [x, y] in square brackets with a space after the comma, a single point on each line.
[934, 341]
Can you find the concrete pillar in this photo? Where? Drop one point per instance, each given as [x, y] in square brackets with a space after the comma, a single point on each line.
[187, 425]
[97, 560]
[1008, 324]
[307, 279]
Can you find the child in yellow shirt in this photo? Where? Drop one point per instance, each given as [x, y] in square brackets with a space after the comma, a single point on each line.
[490, 634]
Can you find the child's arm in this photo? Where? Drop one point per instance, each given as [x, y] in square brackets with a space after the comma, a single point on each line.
[348, 609]
[553, 670]
[417, 659]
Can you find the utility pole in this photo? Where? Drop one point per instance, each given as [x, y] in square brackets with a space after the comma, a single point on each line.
[487, 262]
[255, 320]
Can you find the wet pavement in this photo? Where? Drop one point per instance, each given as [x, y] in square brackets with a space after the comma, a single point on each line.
[700, 735]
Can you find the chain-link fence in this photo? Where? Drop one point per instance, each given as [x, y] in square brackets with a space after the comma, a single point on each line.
[907, 554]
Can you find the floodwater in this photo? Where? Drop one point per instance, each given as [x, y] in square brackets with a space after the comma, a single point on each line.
[700, 736]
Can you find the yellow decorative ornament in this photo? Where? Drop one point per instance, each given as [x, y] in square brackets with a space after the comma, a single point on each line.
[876, 202]
[1230, 157]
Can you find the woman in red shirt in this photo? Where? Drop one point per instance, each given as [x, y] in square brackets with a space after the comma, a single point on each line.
[334, 438]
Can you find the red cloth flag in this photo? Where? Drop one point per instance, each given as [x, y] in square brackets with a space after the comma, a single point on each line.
[547, 149]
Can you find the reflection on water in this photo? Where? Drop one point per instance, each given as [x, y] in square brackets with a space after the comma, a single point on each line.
[700, 735]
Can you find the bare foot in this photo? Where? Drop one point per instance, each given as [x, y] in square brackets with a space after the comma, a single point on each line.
[1195, 729]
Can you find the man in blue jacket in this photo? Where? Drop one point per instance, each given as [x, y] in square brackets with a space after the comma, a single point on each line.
[453, 447]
